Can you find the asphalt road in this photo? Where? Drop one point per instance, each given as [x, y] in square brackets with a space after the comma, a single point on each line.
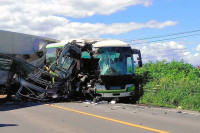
[94, 118]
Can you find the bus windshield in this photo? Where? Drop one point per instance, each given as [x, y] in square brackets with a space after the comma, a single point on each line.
[115, 61]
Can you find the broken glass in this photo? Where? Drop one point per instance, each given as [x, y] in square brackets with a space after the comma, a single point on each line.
[115, 61]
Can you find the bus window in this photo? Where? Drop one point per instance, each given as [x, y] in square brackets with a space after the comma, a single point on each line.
[85, 55]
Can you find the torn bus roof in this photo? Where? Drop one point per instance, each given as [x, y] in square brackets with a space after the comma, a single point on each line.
[110, 43]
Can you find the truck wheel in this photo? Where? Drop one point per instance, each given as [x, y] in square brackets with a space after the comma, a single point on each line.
[125, 100]
[70, 90]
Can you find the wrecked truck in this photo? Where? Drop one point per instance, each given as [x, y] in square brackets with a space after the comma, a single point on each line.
[98, 69]
[21, 55]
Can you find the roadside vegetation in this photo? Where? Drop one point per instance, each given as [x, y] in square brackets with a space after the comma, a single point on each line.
[171, 84]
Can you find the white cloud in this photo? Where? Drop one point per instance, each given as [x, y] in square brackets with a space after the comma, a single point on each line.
[49, 17]
[71, 8]
[198, 48]
[84, 30]
[168, 51]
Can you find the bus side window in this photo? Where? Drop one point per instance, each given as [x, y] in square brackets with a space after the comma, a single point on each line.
[129, 65]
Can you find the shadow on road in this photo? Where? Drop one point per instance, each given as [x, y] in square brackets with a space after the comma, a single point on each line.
[8, 125]
[12, 105]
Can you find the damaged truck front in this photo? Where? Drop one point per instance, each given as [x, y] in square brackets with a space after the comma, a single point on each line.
[98, 69]
[22, 58]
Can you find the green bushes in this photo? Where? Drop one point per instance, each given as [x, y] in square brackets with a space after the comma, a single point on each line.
[171, 84]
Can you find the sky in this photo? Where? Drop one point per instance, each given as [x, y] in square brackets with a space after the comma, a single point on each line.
[127, 20]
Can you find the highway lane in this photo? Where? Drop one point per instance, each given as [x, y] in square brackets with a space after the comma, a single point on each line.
[95, 118]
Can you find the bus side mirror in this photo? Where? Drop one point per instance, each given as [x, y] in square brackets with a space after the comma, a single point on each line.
[137, 51]
[140, 63]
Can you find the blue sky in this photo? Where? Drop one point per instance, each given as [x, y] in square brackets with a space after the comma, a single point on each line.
[185, 12]
[119, 19]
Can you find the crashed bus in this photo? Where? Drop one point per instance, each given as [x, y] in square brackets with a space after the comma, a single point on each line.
[103, 69]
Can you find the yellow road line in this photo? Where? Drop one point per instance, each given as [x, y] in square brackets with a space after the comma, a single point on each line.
[109, 119]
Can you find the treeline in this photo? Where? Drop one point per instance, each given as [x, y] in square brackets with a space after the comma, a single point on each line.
[170, 84]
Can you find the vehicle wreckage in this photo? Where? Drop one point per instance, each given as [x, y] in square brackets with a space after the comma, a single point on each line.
[92, 69]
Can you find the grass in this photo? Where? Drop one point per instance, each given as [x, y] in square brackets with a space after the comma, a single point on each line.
[171, 84]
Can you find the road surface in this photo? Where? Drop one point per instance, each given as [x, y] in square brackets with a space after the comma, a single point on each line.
[74, 117]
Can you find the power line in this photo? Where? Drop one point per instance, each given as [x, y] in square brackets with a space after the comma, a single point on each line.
[165, 39]
[161, 36]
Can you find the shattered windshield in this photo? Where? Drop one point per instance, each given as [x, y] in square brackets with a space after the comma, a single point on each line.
[115, 61]
[67, 62]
